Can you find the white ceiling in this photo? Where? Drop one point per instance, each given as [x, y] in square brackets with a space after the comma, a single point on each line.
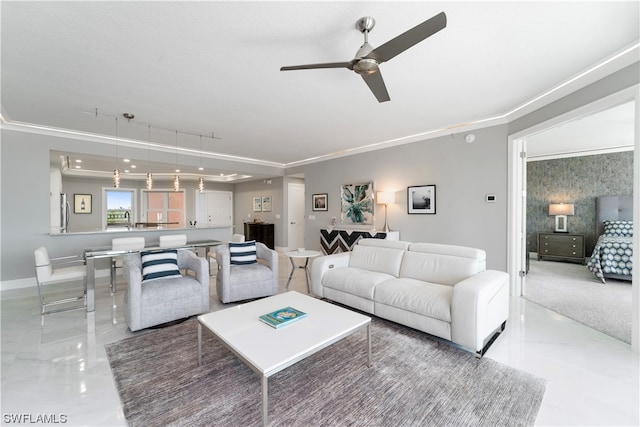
[604, 131]
[213, 67]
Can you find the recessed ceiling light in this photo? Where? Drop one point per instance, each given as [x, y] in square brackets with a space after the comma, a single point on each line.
[200, 168]
[78, 167]
[177, 170]
[133, 166]
[78, 161]
[126, 160]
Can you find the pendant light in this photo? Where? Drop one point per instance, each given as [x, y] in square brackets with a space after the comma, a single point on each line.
[200, 168]
[116, 172]
[176, 180]
[149, 176]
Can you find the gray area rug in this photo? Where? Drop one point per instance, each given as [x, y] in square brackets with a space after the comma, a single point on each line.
[574, 292]
[414, 381]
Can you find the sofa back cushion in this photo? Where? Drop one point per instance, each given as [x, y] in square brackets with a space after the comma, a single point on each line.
[379, 259]
[383, 243]
[442, 264]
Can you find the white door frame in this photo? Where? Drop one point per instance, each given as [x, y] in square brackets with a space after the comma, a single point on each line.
[516, 204]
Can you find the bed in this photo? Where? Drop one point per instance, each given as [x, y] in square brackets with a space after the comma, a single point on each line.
[611, 257]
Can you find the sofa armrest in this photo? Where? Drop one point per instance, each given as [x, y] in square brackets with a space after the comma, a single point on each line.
[321, 265]
[479, 305]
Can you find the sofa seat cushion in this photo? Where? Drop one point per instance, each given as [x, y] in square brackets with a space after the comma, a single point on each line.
[355, 281]
[428, 299]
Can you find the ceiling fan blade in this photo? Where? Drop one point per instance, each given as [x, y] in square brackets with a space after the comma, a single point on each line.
[377, 86]
[409, 38]
[348, 65]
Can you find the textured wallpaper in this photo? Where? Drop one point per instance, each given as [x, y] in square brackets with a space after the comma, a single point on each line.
[577, 180]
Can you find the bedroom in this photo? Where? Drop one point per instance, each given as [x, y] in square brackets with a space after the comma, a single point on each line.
[604, 167]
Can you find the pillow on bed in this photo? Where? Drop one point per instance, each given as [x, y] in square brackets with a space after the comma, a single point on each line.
[618, 228]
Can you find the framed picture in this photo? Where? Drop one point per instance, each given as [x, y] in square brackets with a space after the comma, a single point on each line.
[319, 202]
[257, 204]
[421, 199]
[266, 204]
[82, 203]
[357, 204]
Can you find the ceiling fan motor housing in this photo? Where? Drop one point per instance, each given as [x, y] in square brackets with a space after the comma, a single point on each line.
[366, 66]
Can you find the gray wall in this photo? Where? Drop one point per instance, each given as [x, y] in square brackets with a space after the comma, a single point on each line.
[463, 174]
[243, 206]
[577, 180]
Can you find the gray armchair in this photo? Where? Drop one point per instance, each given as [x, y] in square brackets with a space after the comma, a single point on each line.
[153, 302]
[241, 282]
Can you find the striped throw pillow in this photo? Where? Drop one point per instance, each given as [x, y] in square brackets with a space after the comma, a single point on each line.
[159, 264]
[243, 252]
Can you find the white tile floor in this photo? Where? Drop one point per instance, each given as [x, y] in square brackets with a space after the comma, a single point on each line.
[55, 366]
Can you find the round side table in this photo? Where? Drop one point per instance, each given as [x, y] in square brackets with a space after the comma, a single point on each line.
[306, 255]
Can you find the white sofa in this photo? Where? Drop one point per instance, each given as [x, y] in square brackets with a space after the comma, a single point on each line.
[442, 290]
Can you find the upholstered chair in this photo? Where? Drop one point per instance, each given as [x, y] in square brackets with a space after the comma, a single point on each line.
[240, 279]
[122, 244]
[68, 269]
[156, 291]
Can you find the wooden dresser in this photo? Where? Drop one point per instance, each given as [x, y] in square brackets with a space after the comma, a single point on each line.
[260, 232]
[561, 247]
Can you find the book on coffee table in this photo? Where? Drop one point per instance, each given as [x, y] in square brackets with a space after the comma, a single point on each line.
[282, 317]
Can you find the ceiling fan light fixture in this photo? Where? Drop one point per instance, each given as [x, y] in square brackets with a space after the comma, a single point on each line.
[366, 66]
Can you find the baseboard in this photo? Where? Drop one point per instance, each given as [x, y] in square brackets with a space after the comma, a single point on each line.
[30, 282]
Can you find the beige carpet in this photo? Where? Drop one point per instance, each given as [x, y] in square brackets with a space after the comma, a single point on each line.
[414, 381]
[573, 291]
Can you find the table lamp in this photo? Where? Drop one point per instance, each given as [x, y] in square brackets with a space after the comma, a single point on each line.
[561, 210]
[384, 198]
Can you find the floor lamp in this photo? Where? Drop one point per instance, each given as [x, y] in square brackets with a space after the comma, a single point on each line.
[384, 198]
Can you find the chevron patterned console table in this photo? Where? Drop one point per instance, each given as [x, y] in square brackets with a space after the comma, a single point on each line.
[334, 241]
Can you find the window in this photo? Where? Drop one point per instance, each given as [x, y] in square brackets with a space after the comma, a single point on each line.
[120, 208]
[164, 207]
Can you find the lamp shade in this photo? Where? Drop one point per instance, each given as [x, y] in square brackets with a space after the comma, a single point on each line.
[385, 197]
[561, 209]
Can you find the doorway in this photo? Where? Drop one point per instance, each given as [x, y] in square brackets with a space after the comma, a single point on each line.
[517, 248]
[296, 213]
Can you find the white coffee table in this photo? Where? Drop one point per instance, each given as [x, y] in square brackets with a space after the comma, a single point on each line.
[267, 350]
[306, 255]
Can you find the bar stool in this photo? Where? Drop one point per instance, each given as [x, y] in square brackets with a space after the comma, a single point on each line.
[123, 244]
[46, 274]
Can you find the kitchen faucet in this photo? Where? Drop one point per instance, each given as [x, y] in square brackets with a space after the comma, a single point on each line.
[127, 216]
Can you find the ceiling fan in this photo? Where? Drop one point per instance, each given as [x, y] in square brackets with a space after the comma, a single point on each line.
[367, 59]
